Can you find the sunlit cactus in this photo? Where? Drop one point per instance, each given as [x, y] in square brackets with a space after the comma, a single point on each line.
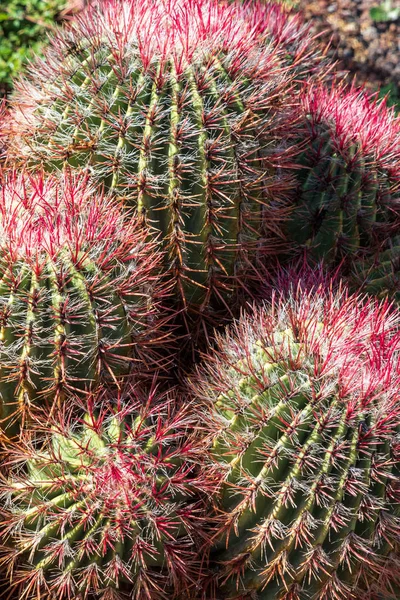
[174, 106]
[348, 199]
[305, 395]
[79, 293]
[109, 504]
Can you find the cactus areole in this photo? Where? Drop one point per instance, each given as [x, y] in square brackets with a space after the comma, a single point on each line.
[306, 396]
[173, 106]
[78, 292]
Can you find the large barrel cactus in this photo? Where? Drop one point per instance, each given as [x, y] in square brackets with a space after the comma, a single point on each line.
[305, 395]
[348, 200]
[174, 106]
[79, 292]
[110, 504]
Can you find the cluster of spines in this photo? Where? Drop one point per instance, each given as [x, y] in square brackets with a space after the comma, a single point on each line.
[110, 503]
[80, 293]
[175, 108]
[306, 402]
[348, 195]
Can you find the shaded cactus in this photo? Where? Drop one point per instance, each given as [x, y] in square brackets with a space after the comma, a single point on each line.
[174, 107]
[305, 395]
[109, 504]
[79, 293]
[348, 200]
[380, 274]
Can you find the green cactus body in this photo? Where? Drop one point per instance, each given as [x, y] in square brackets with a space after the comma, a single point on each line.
[108, 505]
[76, 294]
[310, 465]
[379, 275]
[59, 332]
[347, 199]
[185, 132]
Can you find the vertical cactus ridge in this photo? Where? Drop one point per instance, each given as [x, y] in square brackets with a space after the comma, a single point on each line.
[305, 401]
[174, 106]
[80, 292]
[116, 499]
[348, 197]
[380, 274]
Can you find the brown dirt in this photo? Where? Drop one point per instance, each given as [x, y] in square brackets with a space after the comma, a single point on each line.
[370, 50]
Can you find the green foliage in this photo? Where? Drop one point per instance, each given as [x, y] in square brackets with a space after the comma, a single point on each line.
[23, 28]
[385, 12]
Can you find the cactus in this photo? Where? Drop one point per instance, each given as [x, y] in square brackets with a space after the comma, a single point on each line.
[348, 200]
[379, 275]
[174, 106]
[79, 293]
[305, 394]
[112, 503]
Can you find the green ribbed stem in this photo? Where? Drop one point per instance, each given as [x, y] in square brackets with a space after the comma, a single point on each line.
[379, 275]
[338, 203]
[63, 329]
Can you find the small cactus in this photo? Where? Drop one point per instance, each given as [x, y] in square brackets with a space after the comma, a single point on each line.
[305, 394]
[348, 200]
[174, 106]
[78, 294]
[110, 504]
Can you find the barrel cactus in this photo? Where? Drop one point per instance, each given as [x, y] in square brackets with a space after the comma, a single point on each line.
[79, 292]
[111, 503]
[305, 395]
[348, 198]
[174, 107]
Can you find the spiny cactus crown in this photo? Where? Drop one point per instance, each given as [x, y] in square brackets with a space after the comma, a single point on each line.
[175, 108]
[348, 199]
[79, 291]
[305, 395]
[113, 501]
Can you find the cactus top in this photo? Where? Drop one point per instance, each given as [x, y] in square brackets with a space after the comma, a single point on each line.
[44, 217]
[113, 500]
[174, 106]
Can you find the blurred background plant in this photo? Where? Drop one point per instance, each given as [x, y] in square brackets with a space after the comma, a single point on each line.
[24, 25]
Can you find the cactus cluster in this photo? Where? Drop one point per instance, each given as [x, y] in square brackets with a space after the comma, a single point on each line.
[157, 165]
[175, 108]
[305, 394]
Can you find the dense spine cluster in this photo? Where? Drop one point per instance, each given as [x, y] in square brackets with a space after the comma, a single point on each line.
[348, 199]
[79, 293]
[175, 108]
[305, 395]
[115, 500]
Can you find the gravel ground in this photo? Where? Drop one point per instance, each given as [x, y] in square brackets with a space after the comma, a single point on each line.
[370, 50]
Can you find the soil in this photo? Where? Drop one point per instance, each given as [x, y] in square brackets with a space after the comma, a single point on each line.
[370, 50]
